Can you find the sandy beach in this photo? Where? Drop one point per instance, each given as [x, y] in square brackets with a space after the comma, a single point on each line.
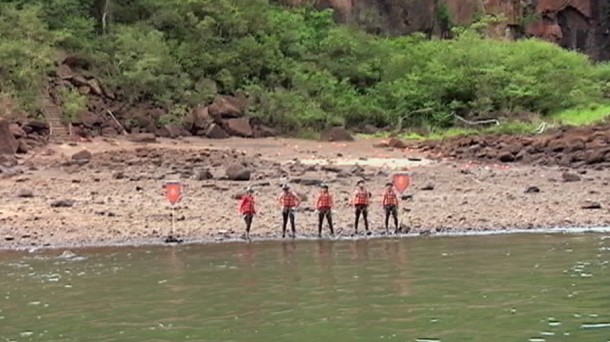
[114, 196]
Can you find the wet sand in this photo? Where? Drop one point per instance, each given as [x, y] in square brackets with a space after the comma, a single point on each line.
[116, 198]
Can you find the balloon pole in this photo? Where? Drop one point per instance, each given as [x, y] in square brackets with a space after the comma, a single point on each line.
[173, 193]
[399, 223]
[171, 233]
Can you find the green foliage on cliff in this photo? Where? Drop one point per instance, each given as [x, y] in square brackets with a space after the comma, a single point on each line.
[300, 69]
[26, 53]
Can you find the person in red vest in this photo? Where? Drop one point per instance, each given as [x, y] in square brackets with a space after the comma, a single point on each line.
[324, 205]
[289, 202]
[361, 202]
[247, 209]
[390, 205]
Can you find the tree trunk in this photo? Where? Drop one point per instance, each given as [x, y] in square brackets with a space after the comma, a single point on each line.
[105, 16]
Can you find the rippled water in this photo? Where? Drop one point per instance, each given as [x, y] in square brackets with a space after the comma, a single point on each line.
[496, 288]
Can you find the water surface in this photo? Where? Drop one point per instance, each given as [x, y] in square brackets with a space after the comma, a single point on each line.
[494, 288]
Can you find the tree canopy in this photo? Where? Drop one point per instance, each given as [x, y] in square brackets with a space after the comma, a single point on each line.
[300, 68]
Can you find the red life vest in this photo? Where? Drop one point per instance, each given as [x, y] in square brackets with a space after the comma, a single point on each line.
[325, 201]
[390, 198]
[289, 200]
[246, 206]
[361, 197]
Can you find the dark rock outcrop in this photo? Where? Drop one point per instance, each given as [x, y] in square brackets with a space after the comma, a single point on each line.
[239, 127]
[576, 147]
[216, 132]
[8, 143]
[238, 172]
[574, 24]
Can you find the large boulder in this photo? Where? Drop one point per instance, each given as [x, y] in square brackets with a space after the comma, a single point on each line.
[89, 119]
[23, 147]
[202, 118]
[336, 134]
[17, 131]
[216, 132]
[79, 81]
[95, 87]
[8, 143]
[174, 131]
[237, 172]
[83, 155]
[227, 107]
[169, 131]
[35, 126]
[397, 143]
[239, 127]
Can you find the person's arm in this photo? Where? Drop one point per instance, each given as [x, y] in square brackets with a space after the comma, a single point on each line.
[297, 199]
[241, 205]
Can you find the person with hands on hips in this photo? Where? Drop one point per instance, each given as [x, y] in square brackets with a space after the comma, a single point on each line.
[247, 209]
[390, 206]
[361, 202]
[289, 202]
[324, 204]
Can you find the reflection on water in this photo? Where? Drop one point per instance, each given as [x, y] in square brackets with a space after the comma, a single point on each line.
[502, 288]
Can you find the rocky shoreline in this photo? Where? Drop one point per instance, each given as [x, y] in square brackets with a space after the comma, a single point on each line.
[109, 192]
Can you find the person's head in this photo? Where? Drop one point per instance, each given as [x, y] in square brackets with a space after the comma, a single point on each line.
[360, 184]
[249, 191]
[286, 187]
[324, 187]
[389, 185]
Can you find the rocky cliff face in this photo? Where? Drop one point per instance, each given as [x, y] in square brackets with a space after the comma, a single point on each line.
[582, 25]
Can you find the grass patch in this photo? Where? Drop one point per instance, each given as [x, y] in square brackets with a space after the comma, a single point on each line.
[582, 116]
[505, 128]
[572, 117]
[511, 128]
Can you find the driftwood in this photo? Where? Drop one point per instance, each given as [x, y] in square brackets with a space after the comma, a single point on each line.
[123, 131]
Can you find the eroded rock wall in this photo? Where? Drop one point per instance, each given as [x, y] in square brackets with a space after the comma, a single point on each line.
[583, 25]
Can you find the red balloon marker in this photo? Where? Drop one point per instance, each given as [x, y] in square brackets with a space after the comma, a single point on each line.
[173, 192]
[401, 181]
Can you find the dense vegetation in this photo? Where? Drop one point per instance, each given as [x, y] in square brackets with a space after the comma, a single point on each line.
[299, 67]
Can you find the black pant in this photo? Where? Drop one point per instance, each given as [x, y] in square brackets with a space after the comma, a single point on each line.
[288, 213]
[248, 219]
[391, 210]
[329, 218]
[364, 211]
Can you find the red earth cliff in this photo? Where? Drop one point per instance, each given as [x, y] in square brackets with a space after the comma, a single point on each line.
[582, 25]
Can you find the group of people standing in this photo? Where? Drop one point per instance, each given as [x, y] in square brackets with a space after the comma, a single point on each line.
[289, 201]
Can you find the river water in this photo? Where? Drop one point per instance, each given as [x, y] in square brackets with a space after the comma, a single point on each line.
[495, 288]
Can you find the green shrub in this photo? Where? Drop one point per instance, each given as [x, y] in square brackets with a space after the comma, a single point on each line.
[72, 103]
[26, 53]
[303, 71]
